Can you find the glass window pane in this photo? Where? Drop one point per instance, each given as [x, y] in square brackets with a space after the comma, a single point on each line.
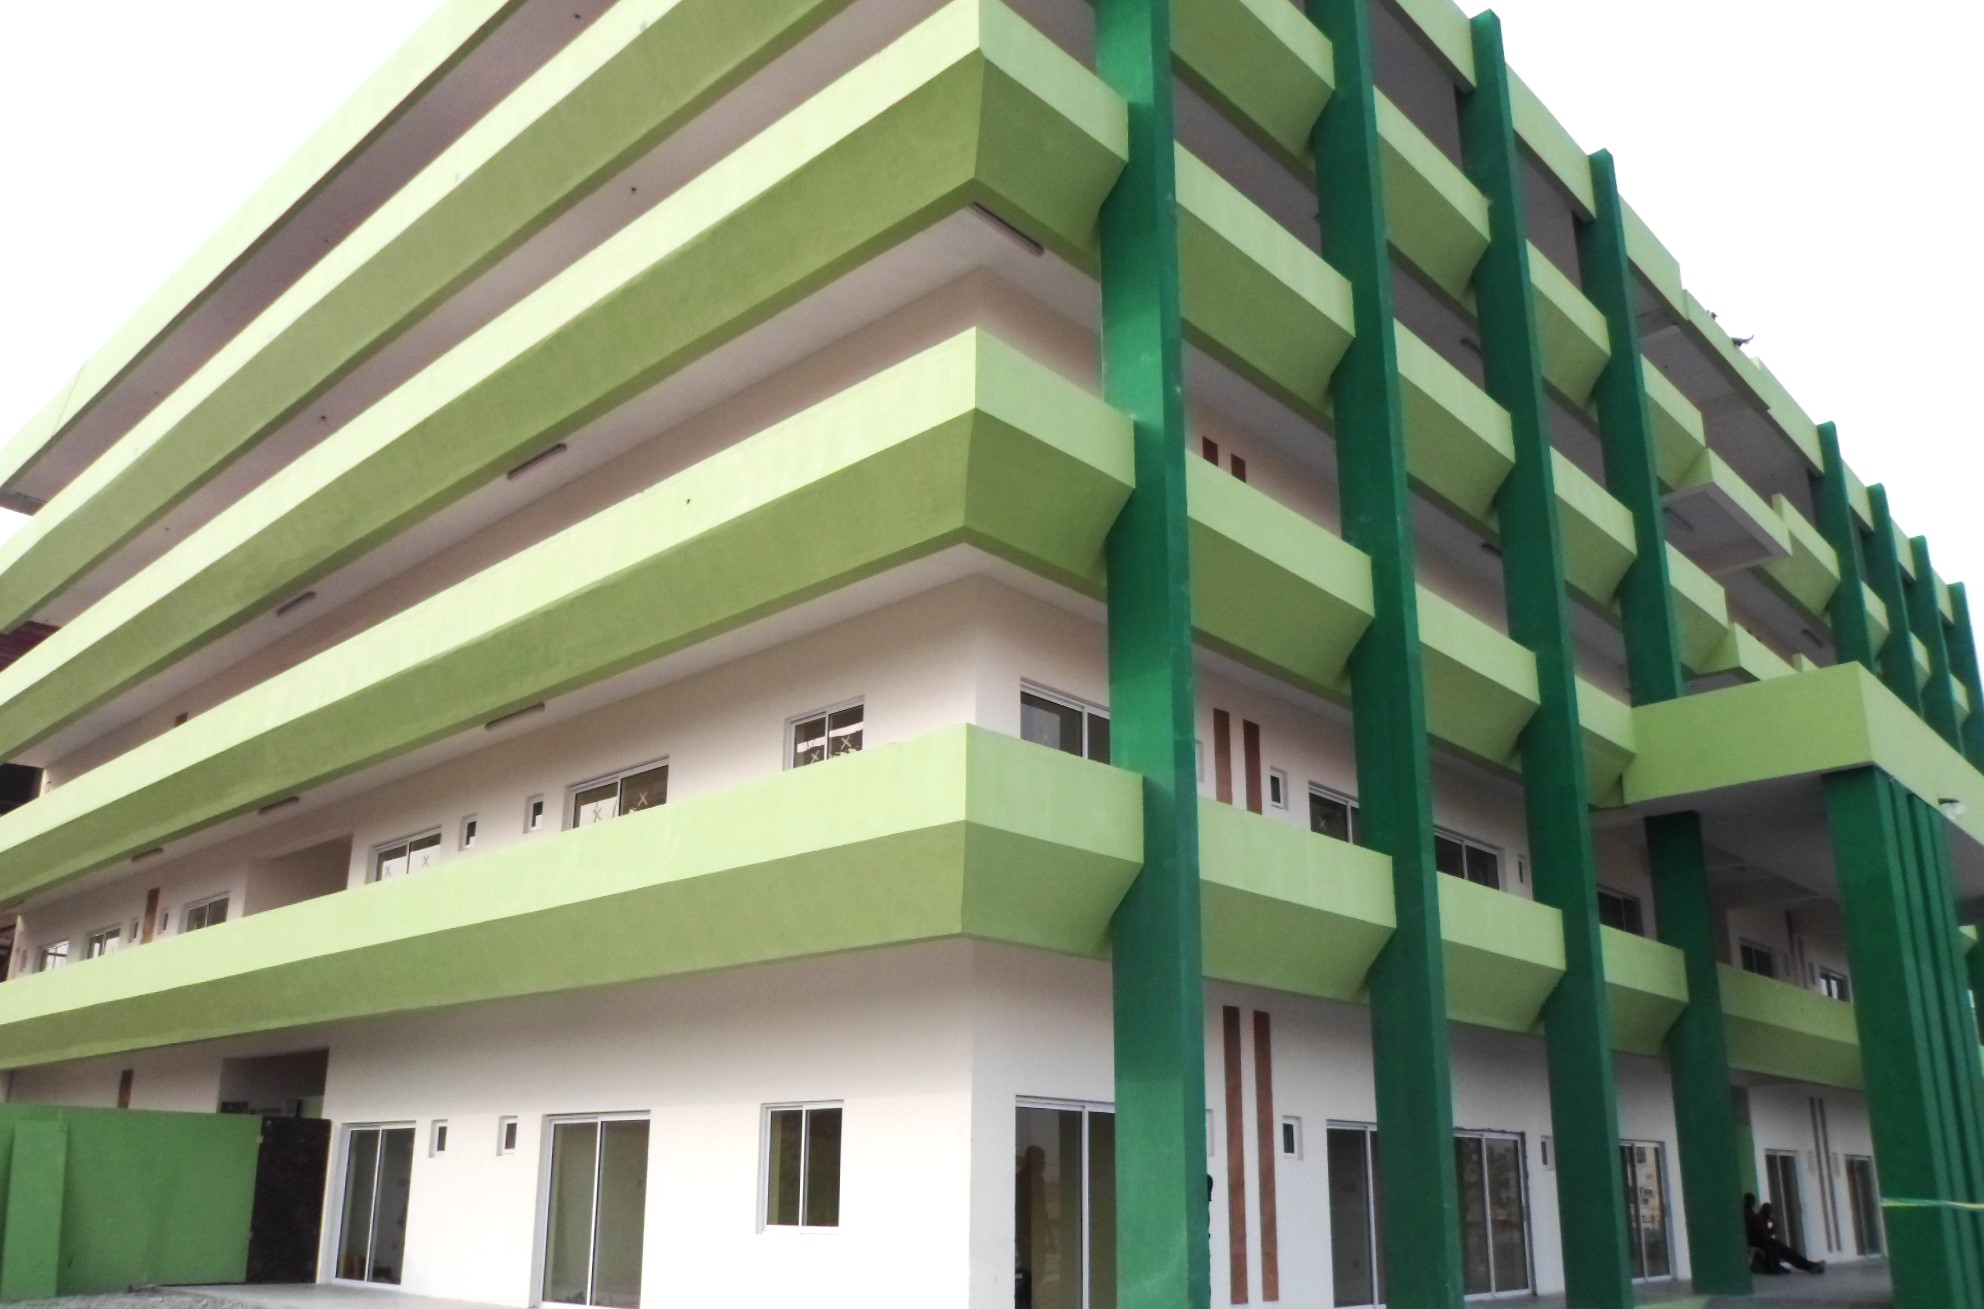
[1651, 1182]
[422, 852]
[1098, 742]
[621, 1225]
[1047, 1260]
[822, 1168]
[568, 1230]
[809, 742]
[1101, 1210]
[1329, 816]
[1507, 1218]
[1049, 723]
[596, 804]
[1350, 1216]
[361, 1169]
[782, 1168]
[644, 790]
[395, 1189]
[844, 730]
[1474, 1256]
[1449, 856]
[1484, 867]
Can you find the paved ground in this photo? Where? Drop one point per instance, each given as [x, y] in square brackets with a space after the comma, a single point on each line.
[1843, 1286]
[1863, 1286]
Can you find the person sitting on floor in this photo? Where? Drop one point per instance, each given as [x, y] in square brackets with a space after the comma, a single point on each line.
[1768, 1252]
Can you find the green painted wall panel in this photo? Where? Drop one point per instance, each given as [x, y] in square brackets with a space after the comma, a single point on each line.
[98, 1200]
[1259, 64]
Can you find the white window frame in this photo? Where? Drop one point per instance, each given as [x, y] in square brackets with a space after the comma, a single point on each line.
[471, 829]
[1744, 943]
[792, 730]
[533, 814]
[1639, 910]
[1087, 709]
[509, 1134]
[1340, 797]
[205, 901]
[1291, 1125]
[1659, 1149]
[543, 1243]
[1827, 976]
[1089, 1108]
[1472, 843]
[54, 955]
[765, 1113]
[341, 1166]
[115, 933]
[1278, 788]
[569, 817]
[437, 1138]
[373, 872]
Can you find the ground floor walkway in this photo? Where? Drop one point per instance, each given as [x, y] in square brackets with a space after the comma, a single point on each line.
[1863, 1286]
[1843, 1286]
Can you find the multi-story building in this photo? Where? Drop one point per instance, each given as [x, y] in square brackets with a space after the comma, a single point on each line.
[780, 658]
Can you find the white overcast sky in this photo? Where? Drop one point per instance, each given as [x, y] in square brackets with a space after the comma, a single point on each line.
[1812, 164]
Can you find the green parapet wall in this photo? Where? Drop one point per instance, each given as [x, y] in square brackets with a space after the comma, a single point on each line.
[99, 1200]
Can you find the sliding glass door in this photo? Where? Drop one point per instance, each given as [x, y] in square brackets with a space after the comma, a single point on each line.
[1647, 1241]
[595, 1214]
[1494, 1214]
[1786, 1196]
[1064, 1207]
[378, 1175]
[1865, 1195]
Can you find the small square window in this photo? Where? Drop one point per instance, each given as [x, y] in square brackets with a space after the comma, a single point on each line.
[534, 813]
[438, 1142]
[1277, 789]
[1291, 1138]
[506, 1135]
[102, 942]
[1834, 985]
[52, 956]
[802, 1165]
[826, 734]
[468, 832]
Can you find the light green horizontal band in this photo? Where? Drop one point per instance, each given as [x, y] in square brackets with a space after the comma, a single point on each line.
[628, 82]
[962, 832]
[972, 106]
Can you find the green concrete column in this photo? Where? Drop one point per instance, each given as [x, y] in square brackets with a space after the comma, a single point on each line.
[1852, 627]
[1576, 1022]
[1158, 972]
[1697, 1045]
[1925, 616]
[1411, 1067]
[1963, 663]
[1918, 1052]
[1895, 661]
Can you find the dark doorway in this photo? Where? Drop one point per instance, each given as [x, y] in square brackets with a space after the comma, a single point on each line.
[289, 1200]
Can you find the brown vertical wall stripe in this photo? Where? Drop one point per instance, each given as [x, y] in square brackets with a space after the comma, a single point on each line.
[1266, 1126]
[1236, 1159]
[1222, 756]
[150, 925]
[1250, 751]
